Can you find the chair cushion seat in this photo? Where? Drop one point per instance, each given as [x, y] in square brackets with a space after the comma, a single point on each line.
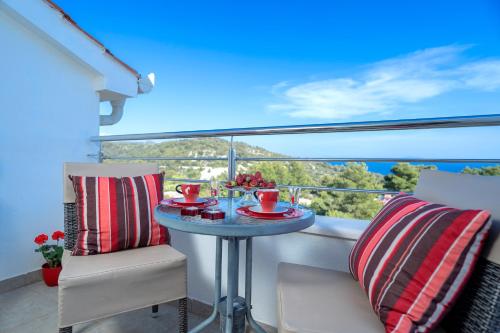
[92, 287]
[317, 300]
[314, 300]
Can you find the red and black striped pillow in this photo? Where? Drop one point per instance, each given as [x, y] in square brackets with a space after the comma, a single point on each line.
[117, 213]
[414, 259]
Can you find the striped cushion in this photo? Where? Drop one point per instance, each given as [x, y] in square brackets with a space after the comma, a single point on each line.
[117, 213]
[414, 259]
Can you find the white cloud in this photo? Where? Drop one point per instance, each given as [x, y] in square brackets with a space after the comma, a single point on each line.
[483, 75]
[389, 84]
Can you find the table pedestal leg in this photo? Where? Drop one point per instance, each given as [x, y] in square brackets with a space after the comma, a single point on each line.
[248, 288]
[217, 288]
[233, 303]
[232, 281]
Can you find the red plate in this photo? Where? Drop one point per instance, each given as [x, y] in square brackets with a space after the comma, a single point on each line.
[182, 202]
[289, 214]
[246, 188]
[277, 211]
[179, 203]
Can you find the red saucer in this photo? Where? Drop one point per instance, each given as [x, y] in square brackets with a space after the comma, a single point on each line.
[291, 213]
[178, 203]
[182, 202]
[277, 212]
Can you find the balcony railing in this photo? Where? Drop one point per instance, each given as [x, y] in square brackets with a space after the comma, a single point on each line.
[232, 158]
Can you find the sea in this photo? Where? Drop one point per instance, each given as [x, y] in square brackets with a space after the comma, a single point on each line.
[385, 167]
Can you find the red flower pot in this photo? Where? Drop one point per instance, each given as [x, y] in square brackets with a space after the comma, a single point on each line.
[51, 275]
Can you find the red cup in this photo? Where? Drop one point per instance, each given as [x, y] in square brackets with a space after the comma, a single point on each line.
[189, 191]
[268, 199]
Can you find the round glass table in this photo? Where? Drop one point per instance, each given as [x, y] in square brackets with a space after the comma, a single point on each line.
[233, 228]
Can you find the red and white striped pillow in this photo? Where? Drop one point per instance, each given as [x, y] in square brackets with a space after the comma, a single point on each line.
[117, 213]
[414, 259]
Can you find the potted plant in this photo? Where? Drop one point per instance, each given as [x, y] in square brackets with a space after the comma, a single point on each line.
[52, 253]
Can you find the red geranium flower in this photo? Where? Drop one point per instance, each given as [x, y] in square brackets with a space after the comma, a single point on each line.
[41, 239]
[57, 235]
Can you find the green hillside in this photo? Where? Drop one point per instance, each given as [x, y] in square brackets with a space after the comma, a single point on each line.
[214, 147]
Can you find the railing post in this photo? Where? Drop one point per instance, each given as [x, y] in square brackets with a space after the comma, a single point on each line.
[101, 154]
[231, 161]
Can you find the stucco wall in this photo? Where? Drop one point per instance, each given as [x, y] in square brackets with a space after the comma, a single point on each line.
[48, 111]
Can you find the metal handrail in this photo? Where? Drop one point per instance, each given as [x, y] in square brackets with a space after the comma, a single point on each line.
[336, 189]
[190, 180]
[383, 125]
[302, 187]
[368, 159]
[149, 158]
[308, 159]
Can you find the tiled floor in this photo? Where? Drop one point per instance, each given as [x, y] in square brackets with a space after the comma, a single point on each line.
[33, 308]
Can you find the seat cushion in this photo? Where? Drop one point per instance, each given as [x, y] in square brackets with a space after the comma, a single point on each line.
[314, 300]
[92, 287]
[117, 213]
[414, 259]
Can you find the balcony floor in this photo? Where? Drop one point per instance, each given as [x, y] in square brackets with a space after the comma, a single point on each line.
[33, 308]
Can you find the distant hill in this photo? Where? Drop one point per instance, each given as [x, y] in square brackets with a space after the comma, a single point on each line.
[207, 147]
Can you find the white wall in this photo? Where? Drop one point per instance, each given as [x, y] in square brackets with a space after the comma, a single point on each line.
[49, 23]
[48, 111]
[301, 248]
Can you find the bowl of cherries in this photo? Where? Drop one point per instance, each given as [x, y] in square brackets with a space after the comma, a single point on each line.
[249, 183]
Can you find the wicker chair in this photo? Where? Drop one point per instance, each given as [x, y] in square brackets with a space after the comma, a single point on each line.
[81, 291]
[318, 300]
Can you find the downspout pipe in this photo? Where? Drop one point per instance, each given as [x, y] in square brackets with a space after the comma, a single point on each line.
[144, 86]
[116, 113]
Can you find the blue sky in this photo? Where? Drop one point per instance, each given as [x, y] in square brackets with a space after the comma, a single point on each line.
[222, 64]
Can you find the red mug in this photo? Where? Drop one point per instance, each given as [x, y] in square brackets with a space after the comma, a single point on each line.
[189, 191]
[268, 199]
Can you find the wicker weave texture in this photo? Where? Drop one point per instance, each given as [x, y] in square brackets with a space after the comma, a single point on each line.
[183, 319]
[478, 308]
[70, 225]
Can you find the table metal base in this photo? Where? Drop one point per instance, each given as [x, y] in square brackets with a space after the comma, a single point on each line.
[239, 314]
[233, 312]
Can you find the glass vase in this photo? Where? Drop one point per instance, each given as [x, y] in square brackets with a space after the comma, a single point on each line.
[248, 198]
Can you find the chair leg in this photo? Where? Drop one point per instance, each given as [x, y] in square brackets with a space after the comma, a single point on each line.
[68, 329]
[154, 310]
[183, 319]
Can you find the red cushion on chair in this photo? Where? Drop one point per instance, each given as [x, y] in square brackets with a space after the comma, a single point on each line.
[117, 213]
[414, 259]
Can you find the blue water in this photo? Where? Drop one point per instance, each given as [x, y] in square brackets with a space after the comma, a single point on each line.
[385, 167]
